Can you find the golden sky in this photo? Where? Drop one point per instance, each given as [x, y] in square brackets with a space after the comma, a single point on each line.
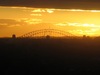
[21, 20]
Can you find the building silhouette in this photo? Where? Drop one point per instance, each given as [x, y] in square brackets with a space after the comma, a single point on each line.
[48, 37]
[14, 36]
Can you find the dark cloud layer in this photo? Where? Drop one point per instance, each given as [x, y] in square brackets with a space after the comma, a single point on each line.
[73, 4]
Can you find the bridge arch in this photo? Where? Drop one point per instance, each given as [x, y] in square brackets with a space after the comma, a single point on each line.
[45, 32]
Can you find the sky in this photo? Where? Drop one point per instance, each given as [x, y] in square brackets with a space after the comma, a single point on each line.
[75, 16]
[66, 4]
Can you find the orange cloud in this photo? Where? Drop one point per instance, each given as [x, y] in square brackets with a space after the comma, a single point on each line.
[38, 10]
[36, 14]
[31, 21]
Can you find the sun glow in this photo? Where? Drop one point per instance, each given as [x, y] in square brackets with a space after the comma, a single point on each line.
[24, 19]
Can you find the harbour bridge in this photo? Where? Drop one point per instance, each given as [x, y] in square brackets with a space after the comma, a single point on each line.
[47, 33]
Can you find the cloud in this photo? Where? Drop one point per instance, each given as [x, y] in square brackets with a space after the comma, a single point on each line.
[78, 25]
[38, 10]
[88, 32]
[61, 24]
[73, 4]
[17, 23]
[36, 14]
[9, 23]
[29, 21]
[45, 10]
